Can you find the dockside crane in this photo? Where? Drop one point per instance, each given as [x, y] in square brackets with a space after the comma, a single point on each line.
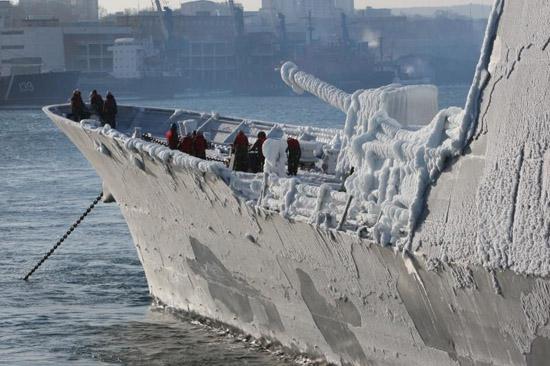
[161, 11]
[167, 43]
[238, 17]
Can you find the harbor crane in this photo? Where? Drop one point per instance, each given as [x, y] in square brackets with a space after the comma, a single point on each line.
[238, 16]
[166, 20]
[168, 43]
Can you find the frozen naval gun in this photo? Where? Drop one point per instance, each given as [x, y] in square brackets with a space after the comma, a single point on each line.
[436, 252]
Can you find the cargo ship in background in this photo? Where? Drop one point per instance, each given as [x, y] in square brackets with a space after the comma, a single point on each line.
[219, 47]
[346, 68]
[37, 89]
[139, 71]
[344, 62]
[26, 85]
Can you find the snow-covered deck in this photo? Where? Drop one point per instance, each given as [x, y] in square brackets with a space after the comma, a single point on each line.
[273, 192]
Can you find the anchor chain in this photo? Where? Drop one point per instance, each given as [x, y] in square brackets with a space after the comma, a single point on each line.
[64, 237]
[150, 138]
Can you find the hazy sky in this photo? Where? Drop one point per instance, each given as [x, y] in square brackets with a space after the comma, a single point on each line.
[113, 5]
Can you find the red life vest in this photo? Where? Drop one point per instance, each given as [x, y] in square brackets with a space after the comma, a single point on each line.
[186, 145]
[241, 140]
[293, 144]
[172, 139]
[200, 145]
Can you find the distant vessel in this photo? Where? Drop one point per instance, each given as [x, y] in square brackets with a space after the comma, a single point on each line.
[437, 252]
[37, 88]
[131, 76]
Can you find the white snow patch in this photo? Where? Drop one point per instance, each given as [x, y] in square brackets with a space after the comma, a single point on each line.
[275, 156]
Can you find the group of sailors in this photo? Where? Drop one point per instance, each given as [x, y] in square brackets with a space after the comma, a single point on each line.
[106, 109]
[193, 144]
[244, 158]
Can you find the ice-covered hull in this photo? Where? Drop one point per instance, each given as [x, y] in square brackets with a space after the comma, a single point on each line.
[321, 292]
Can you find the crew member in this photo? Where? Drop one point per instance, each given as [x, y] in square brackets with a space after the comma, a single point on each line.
[199, 145]
[96, 103]
[257, 147]
[79, 111]
[294, 154]
[172, 137]
[186, 144]
[240, 151]
[110, 110]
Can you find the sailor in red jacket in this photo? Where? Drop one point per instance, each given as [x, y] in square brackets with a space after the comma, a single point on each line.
[200, 145]
[240, 149]
[172, 137]
[186, 144]
[294, 154]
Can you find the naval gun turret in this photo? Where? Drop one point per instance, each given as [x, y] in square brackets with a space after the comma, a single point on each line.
[396, 144]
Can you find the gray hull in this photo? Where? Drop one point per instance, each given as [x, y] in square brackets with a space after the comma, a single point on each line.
[320, 292]
[329, 293]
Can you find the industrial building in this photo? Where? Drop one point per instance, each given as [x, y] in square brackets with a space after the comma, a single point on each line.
[209, 45]
[64, 10]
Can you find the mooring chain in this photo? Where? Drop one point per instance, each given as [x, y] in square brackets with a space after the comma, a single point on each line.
[64, 237]
[148, 137]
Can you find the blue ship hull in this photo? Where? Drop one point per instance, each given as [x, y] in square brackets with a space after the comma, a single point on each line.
[37, 89]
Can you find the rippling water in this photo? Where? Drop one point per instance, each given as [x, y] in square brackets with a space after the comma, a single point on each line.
[89, 304]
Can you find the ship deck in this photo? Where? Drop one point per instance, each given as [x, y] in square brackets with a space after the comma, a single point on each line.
[157, 121]
[221, 131]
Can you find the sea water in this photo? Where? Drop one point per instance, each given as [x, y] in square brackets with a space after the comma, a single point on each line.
[89, 303]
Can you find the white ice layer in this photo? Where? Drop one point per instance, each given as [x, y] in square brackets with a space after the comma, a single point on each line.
[393, 165]
[275, 157]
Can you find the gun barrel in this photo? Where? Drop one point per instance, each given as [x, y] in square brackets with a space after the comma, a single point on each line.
[301, 81]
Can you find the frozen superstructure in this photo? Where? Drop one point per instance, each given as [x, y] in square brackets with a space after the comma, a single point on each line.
[492, 206]
[392, 165]
[292, 259]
